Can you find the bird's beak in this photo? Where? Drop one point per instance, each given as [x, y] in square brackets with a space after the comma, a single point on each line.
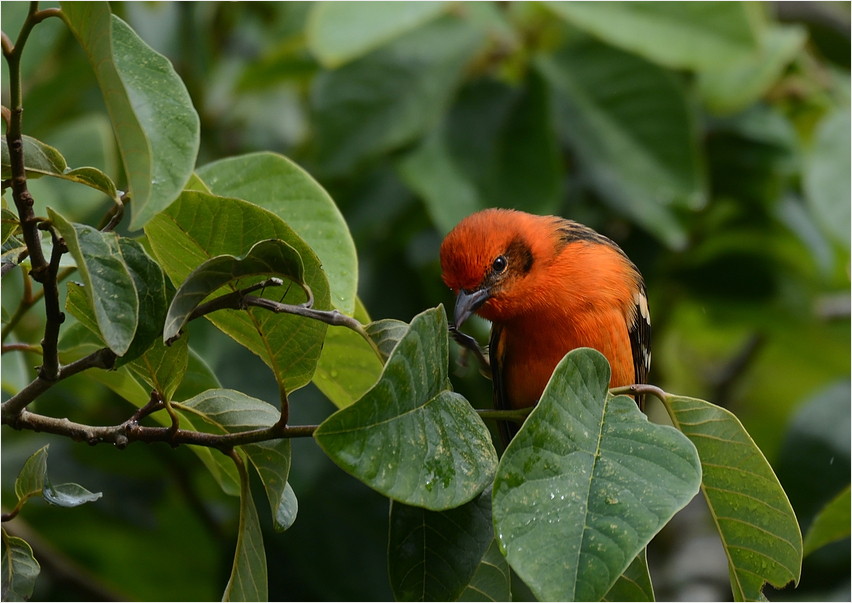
[467, 303]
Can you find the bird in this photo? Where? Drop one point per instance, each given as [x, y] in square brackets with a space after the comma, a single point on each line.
[548, 285]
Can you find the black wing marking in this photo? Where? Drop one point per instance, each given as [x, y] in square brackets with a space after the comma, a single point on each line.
[496, 356]
[640, 339]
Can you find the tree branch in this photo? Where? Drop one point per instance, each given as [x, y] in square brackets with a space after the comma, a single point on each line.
[49, 369]
[14, 138]
[125, 433]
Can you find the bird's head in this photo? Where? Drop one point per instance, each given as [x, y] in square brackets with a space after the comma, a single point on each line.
[486, 256]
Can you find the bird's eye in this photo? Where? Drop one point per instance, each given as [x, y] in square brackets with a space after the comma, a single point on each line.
[500, 264]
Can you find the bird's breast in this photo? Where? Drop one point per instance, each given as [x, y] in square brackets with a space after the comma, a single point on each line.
[531, 347]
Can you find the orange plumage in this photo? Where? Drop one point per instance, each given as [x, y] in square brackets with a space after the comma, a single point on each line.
[548, 285]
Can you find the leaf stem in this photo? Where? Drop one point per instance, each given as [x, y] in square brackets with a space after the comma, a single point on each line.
[639, 389]
[516, 416]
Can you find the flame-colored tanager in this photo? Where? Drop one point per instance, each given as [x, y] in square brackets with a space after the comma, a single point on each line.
[548, 285]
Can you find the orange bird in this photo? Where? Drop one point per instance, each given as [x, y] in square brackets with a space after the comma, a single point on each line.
[548, 285]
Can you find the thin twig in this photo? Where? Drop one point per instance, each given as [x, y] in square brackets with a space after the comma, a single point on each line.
[240, 300]
[14, 139]
[21, 347]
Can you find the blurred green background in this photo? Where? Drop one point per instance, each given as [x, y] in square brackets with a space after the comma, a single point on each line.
[710, 140]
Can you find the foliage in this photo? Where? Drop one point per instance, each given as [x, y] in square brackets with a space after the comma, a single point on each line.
[290, 166]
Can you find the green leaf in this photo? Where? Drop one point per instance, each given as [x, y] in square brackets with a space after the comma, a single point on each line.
[348, 366]
[827, 175]
[830, 524]
[272, 461]
[199, 226]
[20, 569]
[43, 160]
[109, 286]
[10, 224]
[248, 581]
[391, 96]
[69, 495]
[163, 366]
[586, 483]
[155, 123]
[31, 479]
[633, 131]
[264, 258]
[39, 159]
[153, 291]
[681, 35]
[492, 580]
[757, 525]
[339, 32]
[743, 82]
[434, 555]
[230, 411]
[277, 184]
[496, 148]
[386, 333]
[410, 437]
[634, 584]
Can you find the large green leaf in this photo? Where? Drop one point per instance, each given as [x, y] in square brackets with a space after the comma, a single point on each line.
[633, 131]
[832, 523]
[586, 483]
[199, 226]
[109, 285]
[634, 584]
[271, 257]
[348, 366]
[827, 175]
[153, 292]
[338, 32]
[743, 82]
[434, 555]
[155, 123]
[43, 160]
[248, 581]
[410, 437]
[691, 35]
[391, 96]
[20, 569]
[495, 148]
[229, 411]
[275, 183]
[757, 525]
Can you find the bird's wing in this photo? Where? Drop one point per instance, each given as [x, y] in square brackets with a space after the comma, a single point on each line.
[640, 339]
[497, 356]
